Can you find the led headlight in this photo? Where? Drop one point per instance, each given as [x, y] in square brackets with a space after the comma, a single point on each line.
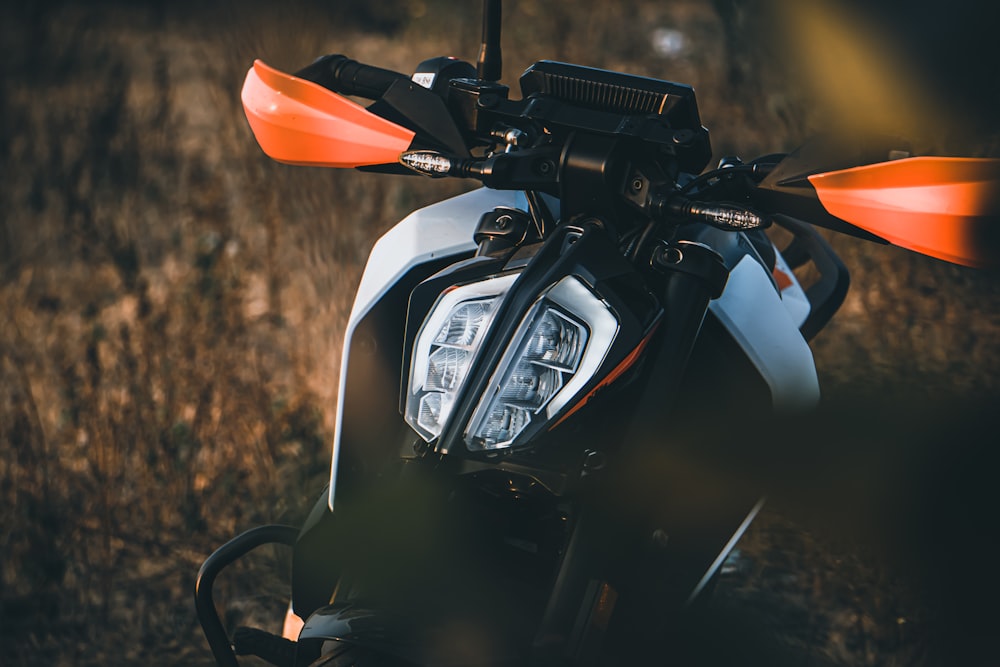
[444, 349]
[556, 350]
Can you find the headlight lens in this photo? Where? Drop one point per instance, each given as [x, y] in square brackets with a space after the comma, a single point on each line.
[557, 349]
[444, 348]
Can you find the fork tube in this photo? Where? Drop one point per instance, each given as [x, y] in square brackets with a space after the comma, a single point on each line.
[694, 274]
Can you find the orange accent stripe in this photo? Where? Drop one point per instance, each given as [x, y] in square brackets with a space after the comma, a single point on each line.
[783, 279]
[938, 206]
[604, 606]
[300, 122]
[616, 373]
[292, 626]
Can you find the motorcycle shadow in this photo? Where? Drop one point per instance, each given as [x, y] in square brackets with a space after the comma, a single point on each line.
[907, 482]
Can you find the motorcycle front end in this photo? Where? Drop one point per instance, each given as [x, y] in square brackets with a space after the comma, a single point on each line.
[487, 522]
[522, 361]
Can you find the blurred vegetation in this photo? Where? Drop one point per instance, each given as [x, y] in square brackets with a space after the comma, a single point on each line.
[172, 302]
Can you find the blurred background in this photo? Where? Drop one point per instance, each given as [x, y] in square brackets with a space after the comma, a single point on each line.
[172, 305]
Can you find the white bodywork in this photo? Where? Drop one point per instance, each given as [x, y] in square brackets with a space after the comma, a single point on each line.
[438, 230]
[764, 322]
[768, 331]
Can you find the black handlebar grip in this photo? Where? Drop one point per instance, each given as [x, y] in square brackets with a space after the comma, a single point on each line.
[349, 77]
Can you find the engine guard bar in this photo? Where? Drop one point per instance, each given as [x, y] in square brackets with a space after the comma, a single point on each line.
[827, 294]
[239, 546]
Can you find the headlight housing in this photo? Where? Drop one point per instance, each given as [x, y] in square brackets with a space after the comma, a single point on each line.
[558, 347]
[445, 346]
[555, 351]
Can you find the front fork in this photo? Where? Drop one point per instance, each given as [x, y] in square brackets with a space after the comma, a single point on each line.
[584, 595]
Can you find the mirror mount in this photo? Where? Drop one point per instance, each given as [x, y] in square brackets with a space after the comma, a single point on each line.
[490, 63]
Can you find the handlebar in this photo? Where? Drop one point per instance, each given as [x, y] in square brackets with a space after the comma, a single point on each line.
[522, 169]
[349, 77]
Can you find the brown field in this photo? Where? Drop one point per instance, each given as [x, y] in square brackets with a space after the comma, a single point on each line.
[172, 306]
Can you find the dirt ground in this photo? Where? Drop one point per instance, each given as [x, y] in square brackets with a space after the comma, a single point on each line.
[172, 306]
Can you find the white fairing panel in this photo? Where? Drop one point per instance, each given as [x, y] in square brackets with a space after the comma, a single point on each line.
[765, 327]
[430, 233]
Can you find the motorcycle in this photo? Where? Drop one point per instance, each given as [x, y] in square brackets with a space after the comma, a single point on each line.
[521, 361]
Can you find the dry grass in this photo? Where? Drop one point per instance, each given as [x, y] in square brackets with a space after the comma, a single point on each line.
[172, 303]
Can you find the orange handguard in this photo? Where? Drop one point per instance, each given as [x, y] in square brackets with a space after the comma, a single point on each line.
[944, 207]
[299, 122]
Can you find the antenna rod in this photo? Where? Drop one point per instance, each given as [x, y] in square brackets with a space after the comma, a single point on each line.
[490, 62]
